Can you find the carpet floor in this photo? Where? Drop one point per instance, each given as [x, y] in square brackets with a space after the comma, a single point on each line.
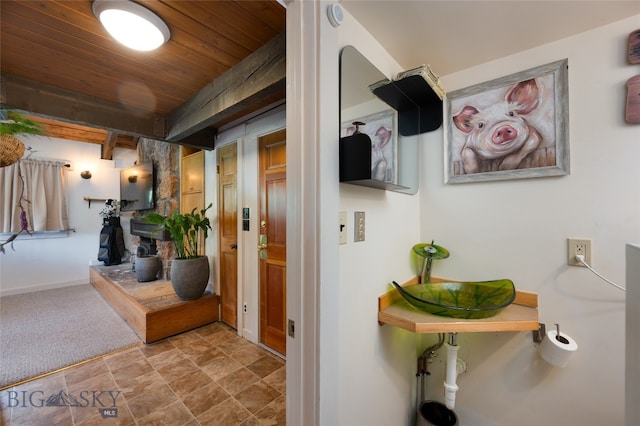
[44, 331]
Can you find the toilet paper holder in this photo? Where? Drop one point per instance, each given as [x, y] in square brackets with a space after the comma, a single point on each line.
[539, 334]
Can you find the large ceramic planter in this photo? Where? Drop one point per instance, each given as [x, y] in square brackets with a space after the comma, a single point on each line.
[189, 277]
[147, 268]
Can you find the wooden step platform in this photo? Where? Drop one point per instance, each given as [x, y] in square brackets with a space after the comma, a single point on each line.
[152, 308]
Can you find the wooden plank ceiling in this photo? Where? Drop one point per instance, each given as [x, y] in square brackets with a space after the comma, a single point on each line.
[225, 60]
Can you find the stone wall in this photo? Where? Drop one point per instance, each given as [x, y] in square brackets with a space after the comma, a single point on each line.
[166, 164]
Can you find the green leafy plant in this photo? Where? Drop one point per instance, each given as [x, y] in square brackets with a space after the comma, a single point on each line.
[13, 123]
[17, 124]
[185, 229]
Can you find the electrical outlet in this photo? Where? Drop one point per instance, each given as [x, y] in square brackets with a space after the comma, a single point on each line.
[342, 231]
[244, 308]
[358, 227]
[578, 246]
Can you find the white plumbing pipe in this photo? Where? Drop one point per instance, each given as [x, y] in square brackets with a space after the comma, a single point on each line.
[454, 367]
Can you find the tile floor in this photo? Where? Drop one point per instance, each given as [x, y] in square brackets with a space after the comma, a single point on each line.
[208, 376]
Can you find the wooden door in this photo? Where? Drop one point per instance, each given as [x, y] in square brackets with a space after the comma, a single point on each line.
[228, 234]
[273, 253]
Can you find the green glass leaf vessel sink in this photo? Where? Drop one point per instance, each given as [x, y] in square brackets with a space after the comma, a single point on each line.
[464, 300]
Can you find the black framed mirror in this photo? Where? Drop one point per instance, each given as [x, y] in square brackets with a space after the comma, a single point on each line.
[373, 150]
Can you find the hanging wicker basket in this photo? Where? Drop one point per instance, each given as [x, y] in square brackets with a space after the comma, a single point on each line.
[11, 150]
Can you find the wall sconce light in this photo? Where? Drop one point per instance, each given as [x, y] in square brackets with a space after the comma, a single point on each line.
[86, 174]
[133, 178]
[132, 24]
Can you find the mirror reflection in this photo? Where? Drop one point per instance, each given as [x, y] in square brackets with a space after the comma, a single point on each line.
[393, 157]
[136, 187]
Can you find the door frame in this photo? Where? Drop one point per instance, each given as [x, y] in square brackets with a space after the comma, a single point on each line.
[246, 139]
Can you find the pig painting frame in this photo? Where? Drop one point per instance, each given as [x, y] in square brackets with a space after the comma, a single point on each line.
[513, 127]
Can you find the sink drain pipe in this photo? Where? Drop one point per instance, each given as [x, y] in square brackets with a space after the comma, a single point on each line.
[455, 366]
[431, 413]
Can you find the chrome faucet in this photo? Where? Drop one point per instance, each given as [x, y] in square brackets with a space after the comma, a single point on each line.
[429, 253]
[426, 264]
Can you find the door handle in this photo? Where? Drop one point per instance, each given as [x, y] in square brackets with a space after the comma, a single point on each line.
[262, 242]
[262, 246]
[234, 246]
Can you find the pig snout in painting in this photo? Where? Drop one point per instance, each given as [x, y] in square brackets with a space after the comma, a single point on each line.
[499, 132]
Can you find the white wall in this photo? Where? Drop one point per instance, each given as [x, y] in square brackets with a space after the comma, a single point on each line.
[632, 350]
[376, 365]
[513, 229]
[38, 264]
[518, 230]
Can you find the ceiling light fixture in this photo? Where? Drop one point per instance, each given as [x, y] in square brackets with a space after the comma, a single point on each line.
[132, 24]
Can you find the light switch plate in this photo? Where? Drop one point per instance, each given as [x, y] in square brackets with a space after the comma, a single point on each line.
[358, 226]
[342, 223]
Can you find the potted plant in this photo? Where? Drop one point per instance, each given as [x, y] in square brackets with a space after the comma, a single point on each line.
[189, 270]
[12, 125]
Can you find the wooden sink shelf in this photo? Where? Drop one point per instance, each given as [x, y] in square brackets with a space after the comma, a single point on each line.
[521, 315]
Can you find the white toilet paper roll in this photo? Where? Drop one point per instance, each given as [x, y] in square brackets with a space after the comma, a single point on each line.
[557, 351]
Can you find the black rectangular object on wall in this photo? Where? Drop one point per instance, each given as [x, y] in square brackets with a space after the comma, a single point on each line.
[419, 108]
[355, 157]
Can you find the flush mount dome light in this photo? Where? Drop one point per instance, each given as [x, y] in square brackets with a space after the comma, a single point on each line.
[132, 24]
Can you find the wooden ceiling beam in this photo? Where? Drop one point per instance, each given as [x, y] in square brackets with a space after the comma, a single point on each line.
[60, 104]
[75, 132]
[253, 80]
[257, 80]
[204, 139]
[108, 145]
[69, 131]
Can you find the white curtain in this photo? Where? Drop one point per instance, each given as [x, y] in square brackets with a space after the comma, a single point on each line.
[9, 211]
[44, 197]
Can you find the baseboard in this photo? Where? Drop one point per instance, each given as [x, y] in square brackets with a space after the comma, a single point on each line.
[50, 286]
[249, 335]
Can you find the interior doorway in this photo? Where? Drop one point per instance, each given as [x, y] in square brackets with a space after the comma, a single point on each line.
[227, 165]
[272, 240]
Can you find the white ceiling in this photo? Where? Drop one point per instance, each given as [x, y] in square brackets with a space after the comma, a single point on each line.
[454, 35]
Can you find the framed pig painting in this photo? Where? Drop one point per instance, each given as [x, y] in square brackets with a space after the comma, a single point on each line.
[510, 128]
